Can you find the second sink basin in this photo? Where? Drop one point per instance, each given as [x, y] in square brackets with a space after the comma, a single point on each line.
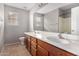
[64, 41]
[53, 39]
[57, 40]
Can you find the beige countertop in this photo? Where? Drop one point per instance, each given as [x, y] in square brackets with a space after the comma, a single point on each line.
[70, 46]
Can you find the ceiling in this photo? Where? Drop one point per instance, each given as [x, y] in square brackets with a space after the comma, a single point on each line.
[69, 6]
[51, 7]
[26, 6]
[45, 9]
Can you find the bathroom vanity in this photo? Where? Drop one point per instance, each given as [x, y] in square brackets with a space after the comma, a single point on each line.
[40, 45]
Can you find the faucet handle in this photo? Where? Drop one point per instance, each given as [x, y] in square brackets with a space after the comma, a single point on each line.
[60, 36]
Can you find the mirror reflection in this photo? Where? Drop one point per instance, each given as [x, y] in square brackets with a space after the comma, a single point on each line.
[63, 20]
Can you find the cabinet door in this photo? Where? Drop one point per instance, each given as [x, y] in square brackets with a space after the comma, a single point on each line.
[33, 51]
[41, 51]
[34, 44]
[28, 44]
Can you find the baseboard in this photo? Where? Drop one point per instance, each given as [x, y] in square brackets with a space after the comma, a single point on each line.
[12, 43]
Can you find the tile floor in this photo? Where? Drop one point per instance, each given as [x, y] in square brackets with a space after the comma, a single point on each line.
[15, 50]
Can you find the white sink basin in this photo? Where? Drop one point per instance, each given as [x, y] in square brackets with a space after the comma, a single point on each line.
[54, 39]
[57, 40]
[64, 41]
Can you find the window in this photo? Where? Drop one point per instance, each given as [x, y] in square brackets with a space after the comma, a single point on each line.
[12, 18]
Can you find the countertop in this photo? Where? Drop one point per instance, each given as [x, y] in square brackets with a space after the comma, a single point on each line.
[72, 47]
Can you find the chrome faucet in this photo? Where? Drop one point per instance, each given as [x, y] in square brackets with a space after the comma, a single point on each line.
[60, 36]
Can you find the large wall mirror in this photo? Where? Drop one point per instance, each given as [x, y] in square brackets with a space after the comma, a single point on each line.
[63, 20]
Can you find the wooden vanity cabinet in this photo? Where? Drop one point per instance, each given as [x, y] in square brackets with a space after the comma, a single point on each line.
[38, 47]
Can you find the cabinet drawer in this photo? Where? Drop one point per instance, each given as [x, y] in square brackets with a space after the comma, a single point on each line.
[41, 51]
[44, 45]
[33, 44]
[33, 39]
[33, 51]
